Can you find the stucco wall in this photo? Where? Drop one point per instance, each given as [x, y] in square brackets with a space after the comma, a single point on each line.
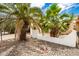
[68, 40]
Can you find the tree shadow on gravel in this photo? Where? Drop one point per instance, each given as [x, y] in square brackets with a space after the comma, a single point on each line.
[6, 44]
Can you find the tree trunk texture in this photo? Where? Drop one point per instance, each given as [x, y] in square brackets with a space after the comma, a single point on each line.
[54, 32]
[1, 35]
[21, 30]
[24, 31]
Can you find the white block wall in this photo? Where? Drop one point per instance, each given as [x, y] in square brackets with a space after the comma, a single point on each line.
[69, 40]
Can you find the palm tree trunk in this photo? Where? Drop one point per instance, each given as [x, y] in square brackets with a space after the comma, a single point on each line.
[21, 30]
[54, 32]
[1, 35]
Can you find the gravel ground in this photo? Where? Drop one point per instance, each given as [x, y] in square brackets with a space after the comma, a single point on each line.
[6, 44]
[36, 47]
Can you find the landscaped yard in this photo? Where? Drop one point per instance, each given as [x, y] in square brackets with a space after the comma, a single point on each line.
[35, 47]
[21, 19]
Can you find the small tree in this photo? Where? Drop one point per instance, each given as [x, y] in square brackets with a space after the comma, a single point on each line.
[56, 20]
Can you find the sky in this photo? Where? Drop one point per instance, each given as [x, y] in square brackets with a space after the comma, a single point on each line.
[66, 7]
[71, 8]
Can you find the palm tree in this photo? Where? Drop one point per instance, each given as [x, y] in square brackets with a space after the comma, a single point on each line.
[24, 15]
[66, 25]
[56, 19]
[8, 26]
